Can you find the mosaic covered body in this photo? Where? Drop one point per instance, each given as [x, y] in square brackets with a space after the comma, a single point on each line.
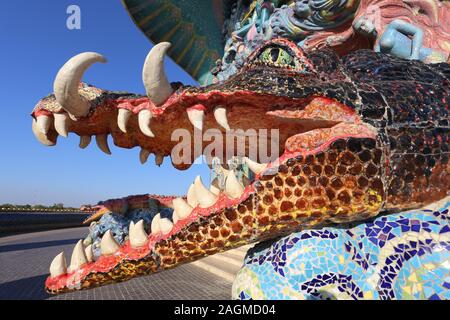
[399, 256]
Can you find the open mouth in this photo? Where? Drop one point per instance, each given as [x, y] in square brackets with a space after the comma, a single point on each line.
[325, 166]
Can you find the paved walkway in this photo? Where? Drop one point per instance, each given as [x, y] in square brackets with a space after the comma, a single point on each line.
[24, 262]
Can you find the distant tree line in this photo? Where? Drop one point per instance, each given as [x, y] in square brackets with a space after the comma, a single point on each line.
[39, 207]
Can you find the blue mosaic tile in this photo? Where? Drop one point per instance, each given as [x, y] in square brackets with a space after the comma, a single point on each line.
[395, 256]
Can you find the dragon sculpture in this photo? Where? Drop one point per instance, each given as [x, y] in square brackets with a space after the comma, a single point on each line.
[360, 134]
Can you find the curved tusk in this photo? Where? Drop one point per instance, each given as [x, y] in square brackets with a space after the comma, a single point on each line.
[155, 80]
[68, 79]
[42, 138]
[122, 119]
[220, 113]
[144, 118]
[61, 124]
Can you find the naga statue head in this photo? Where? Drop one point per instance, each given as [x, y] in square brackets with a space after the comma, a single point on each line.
[350, 138]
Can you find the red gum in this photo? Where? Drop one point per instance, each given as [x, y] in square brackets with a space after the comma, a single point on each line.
[198, 107]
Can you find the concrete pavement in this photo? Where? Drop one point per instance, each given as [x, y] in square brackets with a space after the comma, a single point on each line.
[24, 261]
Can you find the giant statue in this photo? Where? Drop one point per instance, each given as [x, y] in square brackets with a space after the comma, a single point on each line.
[351, 95]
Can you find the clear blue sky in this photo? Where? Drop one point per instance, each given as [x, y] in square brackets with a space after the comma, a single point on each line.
[34, 44]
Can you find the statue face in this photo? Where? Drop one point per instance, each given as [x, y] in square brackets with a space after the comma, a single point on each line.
[302, 9]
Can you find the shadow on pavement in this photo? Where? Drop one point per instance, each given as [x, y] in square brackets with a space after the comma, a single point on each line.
[24, 289]
[35, 245]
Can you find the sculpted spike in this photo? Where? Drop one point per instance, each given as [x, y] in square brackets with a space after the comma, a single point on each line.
[43, 124]
[78, 257]
[102, 143]
[181, 208]
[108, 244]
[191, 197]
[137, 234]
[42, 138]
[144, 118]
[122, 119]
[89, 253]
[154, 76]
[67, 82]
[214, 190]
[85, 141]
[58, 266]
[166, 225]
[220, 113]
[159, 159]
[196, 117]
[156, 228]
[143, 156]
[205, 197]
[233, 188]
[256, 167]
[61, 124]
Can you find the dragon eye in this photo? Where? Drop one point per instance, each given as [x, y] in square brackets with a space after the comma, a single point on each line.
[277, 57]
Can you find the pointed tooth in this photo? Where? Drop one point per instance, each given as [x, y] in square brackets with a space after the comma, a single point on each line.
[175, 217]
[144, 118]
[58, 266]
[214, 190]
[43, 124]
[181, 208]
[137, 235]
[256, 167]
[166, 225]
[159, 160]
[143, 156]
[196, 117]
[85, 141]
[233, 188]
[155, 224]
[42, 138]
[191, 197]
[204, 197]
[89, 253]
[122, 119]
[108, 244]
[78, 257]
[220, 113]
[61, 124]
[102, 143]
